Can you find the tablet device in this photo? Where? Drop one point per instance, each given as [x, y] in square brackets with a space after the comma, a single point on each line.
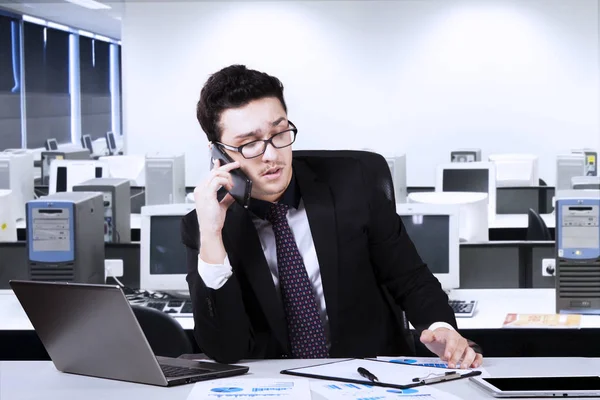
[547, 386]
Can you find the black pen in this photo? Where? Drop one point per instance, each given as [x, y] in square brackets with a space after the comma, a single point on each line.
[366, 374]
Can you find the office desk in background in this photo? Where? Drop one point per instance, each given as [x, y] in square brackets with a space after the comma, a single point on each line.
[19, 341]
[502, 221]
[16, 378]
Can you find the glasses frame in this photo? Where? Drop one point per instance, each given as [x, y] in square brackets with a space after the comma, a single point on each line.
[265, 142]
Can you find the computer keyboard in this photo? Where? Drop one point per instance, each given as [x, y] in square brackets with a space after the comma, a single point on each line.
[175, 307]
[171, 371]
[463, 308]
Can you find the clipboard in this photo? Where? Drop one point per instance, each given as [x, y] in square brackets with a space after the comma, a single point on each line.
[391, 375]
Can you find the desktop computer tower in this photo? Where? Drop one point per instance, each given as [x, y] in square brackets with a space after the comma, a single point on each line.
[16, 174]
[578, 255]
[465, 155]
[8, 226]
[66, 154]
[117, 206]
[397, 167]
[165, 179]
[65, 240]
[568, 166]
[591, 160]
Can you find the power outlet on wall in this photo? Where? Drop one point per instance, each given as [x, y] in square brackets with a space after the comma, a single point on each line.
[548, 267]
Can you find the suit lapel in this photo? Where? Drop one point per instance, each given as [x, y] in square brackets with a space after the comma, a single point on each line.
[240, 232]
[321, 218]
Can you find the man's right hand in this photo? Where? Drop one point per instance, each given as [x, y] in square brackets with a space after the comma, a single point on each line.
[211, 213]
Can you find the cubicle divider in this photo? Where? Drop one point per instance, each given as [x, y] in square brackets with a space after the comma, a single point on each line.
[513, 200]
[504, 265]
[486, 265]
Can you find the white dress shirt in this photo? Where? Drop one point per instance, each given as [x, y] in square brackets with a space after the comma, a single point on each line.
[216, 275]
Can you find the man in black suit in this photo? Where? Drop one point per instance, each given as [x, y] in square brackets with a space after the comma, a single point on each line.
[305, 271]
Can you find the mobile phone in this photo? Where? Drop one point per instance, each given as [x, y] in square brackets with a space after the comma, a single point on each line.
[242, 185]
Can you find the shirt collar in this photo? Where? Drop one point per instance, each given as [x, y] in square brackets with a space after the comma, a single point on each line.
[291, 197]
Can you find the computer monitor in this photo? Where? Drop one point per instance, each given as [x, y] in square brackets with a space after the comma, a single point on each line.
[111, 143]
[86, 143]
[66, 173]
[17, 175]
[397, 165]
[162, 254]
[51, 144]
[514, 170]
[127, 167]
[433, 228]
[473, 216]
[465, 155]
[478, 177]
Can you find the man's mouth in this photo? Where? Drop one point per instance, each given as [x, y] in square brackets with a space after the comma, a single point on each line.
[273, 173]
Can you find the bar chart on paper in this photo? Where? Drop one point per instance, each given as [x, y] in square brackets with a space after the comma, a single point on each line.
[348, 391]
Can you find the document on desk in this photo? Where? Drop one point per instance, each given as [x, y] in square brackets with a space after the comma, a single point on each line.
[239, 389]
[384, 374]
[346, 391]
[432, 362]
[542, 321]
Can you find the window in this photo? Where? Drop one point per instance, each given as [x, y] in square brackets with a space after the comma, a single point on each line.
[47, 96]
[10, 83]
[94, 64]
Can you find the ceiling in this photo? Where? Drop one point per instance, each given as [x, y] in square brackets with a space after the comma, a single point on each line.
[103, 22]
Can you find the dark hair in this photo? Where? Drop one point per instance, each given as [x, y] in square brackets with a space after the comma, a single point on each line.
[233, 87]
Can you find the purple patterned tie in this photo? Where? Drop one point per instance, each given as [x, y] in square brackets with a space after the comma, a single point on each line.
[305, 330]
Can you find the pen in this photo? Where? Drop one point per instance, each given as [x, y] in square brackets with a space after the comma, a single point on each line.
[366, 374]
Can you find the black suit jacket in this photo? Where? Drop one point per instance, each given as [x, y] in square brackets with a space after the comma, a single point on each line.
[363, 252]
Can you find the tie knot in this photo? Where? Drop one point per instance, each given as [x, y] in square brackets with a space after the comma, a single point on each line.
[277, 213]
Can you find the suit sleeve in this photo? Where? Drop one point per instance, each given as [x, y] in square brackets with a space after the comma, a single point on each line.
[221, 325]
[399, 266]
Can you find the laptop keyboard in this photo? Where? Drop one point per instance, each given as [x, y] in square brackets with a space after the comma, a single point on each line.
[177, 308]
[171, 371]
[463, 308]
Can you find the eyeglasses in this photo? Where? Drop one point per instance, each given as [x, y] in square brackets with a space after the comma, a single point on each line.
[258, 147]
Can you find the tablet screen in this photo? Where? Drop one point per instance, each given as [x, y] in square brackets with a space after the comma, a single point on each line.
[545, 383]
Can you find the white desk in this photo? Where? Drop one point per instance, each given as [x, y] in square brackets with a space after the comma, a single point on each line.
[492, 307]
[25, 380]
[519, 221]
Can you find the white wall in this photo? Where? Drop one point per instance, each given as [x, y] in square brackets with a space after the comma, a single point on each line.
[421, 77]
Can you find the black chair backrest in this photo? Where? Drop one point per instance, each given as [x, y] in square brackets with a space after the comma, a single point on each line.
[165, 335]
[375, 164]
[536, 227]
[379, 173]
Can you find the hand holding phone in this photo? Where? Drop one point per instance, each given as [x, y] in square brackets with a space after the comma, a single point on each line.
[241, 184]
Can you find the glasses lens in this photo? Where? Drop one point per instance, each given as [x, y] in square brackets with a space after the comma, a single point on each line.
[253, 149]
[283, 139]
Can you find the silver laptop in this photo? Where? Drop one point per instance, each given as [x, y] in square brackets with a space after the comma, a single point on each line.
[91, 330]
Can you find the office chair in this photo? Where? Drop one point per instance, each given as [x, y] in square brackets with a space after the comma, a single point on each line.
[542, 182]
[375, 163]
[380, 175]
[536, 227]
[165, 336]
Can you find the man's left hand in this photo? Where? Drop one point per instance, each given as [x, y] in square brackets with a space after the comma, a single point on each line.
[451, 347]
